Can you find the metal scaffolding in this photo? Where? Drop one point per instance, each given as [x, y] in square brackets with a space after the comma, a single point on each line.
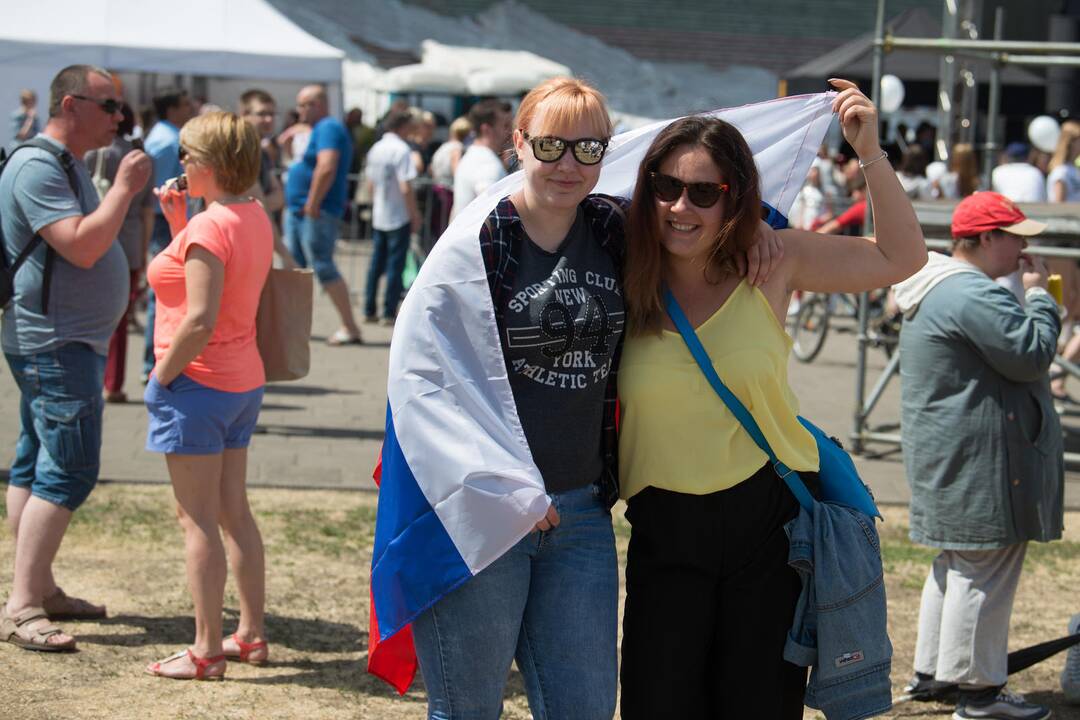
[1001, 52]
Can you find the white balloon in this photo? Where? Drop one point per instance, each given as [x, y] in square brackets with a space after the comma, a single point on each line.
[936, 170]
[1043, 133]
[892, 93]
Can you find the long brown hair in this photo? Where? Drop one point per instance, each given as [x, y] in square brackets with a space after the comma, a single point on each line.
[1070, 130]
[965, 164]
[642, 275]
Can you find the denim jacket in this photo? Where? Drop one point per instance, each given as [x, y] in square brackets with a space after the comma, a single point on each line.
[840, 620]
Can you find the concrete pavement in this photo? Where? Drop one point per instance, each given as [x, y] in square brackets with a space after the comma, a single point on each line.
[325, 430]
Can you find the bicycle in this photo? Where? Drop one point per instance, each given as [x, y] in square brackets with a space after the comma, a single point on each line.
[809, 325]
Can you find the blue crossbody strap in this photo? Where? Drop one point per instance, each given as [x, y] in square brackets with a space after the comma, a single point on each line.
[791, 477]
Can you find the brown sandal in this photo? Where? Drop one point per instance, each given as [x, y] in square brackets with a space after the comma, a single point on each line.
[61, 606]
[13, 629]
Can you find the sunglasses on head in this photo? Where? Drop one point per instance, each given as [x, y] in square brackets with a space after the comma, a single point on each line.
[670, 189]
[549, 149]
[109, 105]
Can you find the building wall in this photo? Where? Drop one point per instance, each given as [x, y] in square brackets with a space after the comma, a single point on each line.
[774, 34]
[716, 32]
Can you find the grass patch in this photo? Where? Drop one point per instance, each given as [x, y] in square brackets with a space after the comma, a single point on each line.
[131, 517]
[1053, 553]
[124, 549]
[336, 533]
[896, 553]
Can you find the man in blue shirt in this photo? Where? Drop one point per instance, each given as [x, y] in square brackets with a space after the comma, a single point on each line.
[162, 144]
[315, 198]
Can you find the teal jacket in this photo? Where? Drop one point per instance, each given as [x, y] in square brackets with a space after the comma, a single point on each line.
[982, 444]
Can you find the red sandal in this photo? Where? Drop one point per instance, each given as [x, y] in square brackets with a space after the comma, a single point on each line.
[202, 667]
[246, 649]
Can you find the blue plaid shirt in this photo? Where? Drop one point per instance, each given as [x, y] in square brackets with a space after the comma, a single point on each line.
[500, 246]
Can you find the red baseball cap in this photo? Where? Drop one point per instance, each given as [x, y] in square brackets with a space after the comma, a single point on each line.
[985, 211]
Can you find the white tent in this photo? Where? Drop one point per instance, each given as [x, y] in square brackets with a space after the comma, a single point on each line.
[471, 71]
[217, 38]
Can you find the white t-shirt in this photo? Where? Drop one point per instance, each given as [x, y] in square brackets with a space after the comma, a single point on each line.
[1068, 174]
[1019, 181]
[914, 185]
[389, 163]
[478, 168]
[441, 172]
[808, 207]
[299, 144]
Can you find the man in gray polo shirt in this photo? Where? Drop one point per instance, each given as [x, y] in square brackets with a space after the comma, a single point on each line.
[55, 338]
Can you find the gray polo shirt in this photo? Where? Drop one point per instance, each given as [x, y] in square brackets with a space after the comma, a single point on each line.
[84, 305]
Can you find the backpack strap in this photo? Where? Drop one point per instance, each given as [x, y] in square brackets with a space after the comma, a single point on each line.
[67, 163]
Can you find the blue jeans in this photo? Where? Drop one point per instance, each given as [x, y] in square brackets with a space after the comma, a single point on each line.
[551, 603]
[311, 242]
[391, 246]
[159, 240]
[58, 453]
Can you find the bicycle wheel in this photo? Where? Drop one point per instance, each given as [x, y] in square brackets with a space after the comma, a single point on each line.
[809, 328]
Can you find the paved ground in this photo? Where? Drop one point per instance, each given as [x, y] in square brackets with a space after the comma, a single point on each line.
[325, 430]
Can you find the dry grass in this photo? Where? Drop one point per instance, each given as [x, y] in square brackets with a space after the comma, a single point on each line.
[124, 549]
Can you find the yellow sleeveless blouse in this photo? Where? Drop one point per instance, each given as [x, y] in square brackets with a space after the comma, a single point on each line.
[675, 432]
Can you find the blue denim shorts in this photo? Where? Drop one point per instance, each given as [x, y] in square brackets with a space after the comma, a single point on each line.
[188, 418]
[311, 242]
[58, 454]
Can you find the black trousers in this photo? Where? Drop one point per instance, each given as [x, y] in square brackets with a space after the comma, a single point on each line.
[709, 601]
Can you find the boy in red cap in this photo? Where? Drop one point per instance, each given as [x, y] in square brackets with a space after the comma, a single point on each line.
[982, 447]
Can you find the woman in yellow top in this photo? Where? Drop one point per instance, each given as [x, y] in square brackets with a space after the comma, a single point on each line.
[710, 596]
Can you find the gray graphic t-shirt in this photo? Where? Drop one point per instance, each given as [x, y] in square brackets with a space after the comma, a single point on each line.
[562, 324]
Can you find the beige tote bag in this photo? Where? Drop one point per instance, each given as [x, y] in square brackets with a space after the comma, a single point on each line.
[283, 324]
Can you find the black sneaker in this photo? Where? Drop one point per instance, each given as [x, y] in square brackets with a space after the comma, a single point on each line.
[924, 688]
[997, 704]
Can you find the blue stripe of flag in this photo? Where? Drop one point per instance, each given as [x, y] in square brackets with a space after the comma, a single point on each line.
[415, 562]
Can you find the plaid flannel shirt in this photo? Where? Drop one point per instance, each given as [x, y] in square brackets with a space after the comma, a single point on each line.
[500, 245]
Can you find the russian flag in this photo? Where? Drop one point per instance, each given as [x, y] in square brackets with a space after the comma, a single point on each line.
[458, 484]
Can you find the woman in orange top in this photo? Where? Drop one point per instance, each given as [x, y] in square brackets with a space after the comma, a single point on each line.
[206, 390]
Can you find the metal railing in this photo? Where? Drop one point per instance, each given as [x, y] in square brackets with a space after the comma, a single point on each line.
[1001, 52]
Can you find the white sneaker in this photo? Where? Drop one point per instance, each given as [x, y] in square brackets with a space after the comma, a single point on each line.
[1003, 706]
[1070, 677]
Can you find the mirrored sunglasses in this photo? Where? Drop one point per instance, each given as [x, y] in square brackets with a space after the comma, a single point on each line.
[549, 149]
[670, 189]
[109, 105]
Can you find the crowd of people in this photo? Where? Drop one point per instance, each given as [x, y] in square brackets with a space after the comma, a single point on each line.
[832, 198]
[194, 204]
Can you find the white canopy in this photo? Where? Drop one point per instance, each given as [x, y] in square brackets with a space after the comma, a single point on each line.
[423, 78]
[472, 71]
[219, 38]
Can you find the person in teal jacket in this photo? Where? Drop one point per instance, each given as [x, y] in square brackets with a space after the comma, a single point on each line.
[982, 446]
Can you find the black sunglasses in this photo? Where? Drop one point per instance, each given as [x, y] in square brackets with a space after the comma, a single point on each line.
[549, 149]
[702, 194]
[109, 106]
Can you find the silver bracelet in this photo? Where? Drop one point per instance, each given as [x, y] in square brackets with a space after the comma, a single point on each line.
[864, 165]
